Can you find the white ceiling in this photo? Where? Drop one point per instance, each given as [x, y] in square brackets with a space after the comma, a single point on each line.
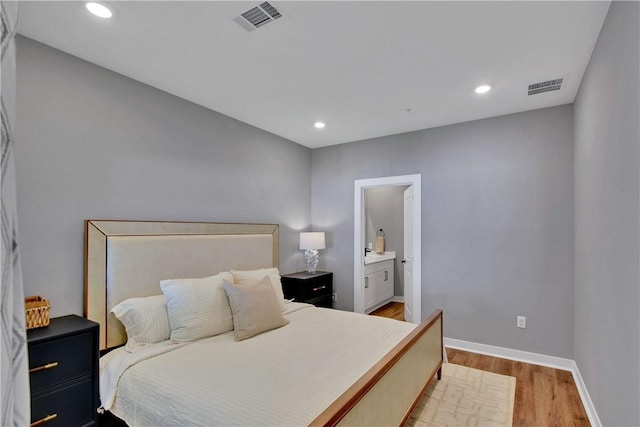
[367, 69]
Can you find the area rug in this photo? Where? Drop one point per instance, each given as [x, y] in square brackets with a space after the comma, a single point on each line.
[466, 397]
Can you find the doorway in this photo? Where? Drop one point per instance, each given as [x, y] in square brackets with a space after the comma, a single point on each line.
[413, 243]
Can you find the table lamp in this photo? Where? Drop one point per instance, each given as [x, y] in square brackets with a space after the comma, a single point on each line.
[311, 242]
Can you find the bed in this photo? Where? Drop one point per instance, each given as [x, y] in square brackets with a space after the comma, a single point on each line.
[320, 367]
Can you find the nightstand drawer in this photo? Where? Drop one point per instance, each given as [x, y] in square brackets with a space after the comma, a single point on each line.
[65, 407]
[323, 301]
[53, 362]
[315, 289]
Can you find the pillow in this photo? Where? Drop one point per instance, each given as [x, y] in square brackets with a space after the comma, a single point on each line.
[255, 308]
[145, 320]
[198, 308]
[249, 277]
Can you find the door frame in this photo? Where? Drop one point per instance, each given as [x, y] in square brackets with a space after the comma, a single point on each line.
[359, 231]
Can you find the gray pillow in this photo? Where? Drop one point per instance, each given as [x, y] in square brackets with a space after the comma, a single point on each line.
[255, 308]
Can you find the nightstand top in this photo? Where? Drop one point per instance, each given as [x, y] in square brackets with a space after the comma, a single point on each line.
[304, 275]
[59, 326]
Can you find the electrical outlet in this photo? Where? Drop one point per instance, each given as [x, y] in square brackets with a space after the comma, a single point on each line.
[521, 322]
[334, 297]
[370, 245]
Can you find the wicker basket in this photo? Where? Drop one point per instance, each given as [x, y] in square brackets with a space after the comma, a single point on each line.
[37, 311]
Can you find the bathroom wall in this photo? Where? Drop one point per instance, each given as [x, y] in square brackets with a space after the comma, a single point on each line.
[384, 208]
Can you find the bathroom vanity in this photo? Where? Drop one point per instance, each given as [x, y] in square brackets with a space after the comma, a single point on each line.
[378, 279]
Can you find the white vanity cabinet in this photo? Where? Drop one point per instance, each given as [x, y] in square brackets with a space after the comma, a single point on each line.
[378, 283]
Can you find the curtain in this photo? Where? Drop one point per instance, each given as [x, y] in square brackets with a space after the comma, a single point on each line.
[14, 397]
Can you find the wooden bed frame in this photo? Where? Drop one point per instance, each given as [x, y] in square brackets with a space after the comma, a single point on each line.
[125, 259]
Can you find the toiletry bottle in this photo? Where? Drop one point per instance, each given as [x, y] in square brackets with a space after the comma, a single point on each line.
[380, 241]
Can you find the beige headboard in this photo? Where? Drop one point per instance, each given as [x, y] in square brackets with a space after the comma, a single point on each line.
[125, 259]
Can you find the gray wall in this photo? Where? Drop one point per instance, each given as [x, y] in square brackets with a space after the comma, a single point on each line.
[497, 222]
[91, 143]
[384, 208]
[607, 229]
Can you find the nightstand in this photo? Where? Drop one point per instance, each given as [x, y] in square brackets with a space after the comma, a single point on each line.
[316, 289]
[63, 371]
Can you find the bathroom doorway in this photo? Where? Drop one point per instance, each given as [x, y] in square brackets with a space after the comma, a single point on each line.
[411, 219]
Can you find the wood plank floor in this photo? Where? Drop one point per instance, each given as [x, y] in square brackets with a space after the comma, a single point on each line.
[544, 396]
[394, 310]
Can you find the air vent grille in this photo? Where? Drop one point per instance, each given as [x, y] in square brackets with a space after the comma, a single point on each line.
[546, 86]
[258, 16]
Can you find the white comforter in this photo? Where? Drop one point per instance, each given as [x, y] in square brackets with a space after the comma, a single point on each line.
[287, 376]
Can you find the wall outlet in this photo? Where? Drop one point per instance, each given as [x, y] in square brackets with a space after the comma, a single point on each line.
[334, 297]
[521, 322]
[370, 245]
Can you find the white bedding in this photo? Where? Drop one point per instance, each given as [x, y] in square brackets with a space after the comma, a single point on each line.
[286, 376]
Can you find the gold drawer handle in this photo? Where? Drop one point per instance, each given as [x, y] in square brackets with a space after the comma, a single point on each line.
[43, 367]
[319, 288]
[44, 420]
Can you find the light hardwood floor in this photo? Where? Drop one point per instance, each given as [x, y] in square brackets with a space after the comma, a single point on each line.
[394, 310]
[544, 396]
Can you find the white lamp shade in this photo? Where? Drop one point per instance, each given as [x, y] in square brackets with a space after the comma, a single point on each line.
[312, 240]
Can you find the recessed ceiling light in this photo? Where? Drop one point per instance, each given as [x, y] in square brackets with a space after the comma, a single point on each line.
[483, 89]
[99, 10]
[319, 125]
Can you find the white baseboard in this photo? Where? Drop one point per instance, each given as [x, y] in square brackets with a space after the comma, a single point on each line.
[397, 299]
[535, 359]
[507, 353]
[584, 396]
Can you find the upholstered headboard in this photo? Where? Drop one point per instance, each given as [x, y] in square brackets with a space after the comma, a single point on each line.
[125, 259]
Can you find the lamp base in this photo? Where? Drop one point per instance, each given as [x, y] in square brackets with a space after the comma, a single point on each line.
[311, 258]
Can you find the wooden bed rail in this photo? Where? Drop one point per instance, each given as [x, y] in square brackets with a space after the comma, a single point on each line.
[388, 377]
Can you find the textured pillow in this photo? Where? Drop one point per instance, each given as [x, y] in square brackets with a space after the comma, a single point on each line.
[145, 320]
[249, 277]
[197, 308]
[255, 308]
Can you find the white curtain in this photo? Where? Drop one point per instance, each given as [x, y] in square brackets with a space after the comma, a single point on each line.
[14, 398]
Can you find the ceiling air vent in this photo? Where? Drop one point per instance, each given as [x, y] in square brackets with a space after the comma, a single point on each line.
[258, 16]
[546, 86]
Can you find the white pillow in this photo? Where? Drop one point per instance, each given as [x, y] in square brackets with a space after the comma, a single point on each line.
[145, 320]
[255, 308]
[250, 277]
[197, 308]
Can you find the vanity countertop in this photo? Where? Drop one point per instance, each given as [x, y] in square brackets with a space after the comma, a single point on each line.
[373, 257]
